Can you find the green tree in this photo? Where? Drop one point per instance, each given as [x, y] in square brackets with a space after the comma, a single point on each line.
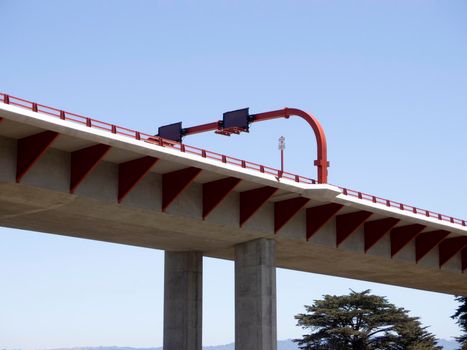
[461, 319]
[361, 321]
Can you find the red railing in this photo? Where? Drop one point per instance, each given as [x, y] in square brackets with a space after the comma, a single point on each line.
[401, 206]
[118, 130]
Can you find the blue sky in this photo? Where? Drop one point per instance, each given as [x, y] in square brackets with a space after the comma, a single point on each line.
[387, 79]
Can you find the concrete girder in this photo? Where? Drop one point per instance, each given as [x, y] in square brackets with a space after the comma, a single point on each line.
[376, 229]
[450, 247]
[317, 217]
[175, 182]
[41, 202]
[401, 236]
[426, 241]
[215, 191]
[251, 201]
[83, 162]
[464, 259]
[131, 172]
[286, 209]
[347, 224]
[30, 149]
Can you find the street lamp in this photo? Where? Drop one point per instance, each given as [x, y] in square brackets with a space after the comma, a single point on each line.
[281, 148]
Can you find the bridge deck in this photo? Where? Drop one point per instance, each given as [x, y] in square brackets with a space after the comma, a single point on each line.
[89, 179]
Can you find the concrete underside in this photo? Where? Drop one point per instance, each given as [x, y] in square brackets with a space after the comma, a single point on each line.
[35, 209]
[42, 202]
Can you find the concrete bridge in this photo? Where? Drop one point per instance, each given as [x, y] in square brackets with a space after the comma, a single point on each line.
[66, 174]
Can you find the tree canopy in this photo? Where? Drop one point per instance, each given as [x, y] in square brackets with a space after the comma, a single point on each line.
[361, 321]
[461, 320]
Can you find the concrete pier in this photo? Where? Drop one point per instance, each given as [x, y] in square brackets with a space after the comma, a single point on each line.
[255, 295]
[183, 300]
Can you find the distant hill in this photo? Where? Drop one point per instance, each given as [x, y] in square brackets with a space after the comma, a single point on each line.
[281, 345]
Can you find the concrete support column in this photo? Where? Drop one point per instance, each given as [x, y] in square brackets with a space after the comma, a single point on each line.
[255, 295]
[183, 300]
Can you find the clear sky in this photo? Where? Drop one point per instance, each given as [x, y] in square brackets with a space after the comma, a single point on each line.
[387, 79]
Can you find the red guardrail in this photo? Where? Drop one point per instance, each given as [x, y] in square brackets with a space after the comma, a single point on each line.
[119, 130]
[401, 206]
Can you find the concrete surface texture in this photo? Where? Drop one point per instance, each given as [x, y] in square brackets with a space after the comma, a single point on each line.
[255, 295]
[183, 300]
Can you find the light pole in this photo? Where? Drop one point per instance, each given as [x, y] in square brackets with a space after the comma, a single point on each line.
[281, 148]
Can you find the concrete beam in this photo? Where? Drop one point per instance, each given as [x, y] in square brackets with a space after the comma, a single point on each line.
[255, 295]
[183, 300]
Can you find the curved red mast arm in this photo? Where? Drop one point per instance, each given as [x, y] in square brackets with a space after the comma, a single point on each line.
[322, 158]
[322, 153]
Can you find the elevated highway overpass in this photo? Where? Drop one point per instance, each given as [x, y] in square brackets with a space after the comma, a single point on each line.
[65, 174]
